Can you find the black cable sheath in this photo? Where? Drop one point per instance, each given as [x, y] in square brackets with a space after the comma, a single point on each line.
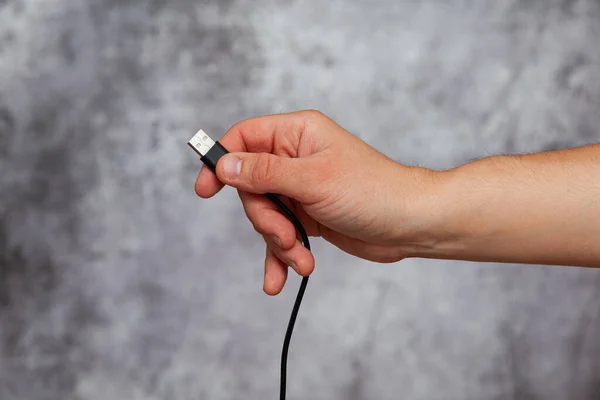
[288, 334]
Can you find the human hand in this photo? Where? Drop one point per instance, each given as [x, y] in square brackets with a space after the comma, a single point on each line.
[340, 188]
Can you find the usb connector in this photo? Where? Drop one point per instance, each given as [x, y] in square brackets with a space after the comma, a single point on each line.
[209, 151]
[201, 143]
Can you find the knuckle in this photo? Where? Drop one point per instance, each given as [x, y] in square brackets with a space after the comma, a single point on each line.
[314, 114]
[257, 223]
[264, 169]
[256, 219]
[238, 126]
[257, 226]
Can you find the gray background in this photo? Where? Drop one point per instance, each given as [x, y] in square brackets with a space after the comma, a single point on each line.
[116, 282]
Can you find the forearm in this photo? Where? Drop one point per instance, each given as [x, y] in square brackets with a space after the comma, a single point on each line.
[540, 208]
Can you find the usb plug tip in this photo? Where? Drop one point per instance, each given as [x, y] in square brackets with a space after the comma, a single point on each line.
[201, 143]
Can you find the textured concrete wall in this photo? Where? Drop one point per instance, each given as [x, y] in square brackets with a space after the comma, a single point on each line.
[116, 282]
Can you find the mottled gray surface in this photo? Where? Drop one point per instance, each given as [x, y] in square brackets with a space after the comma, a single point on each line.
[116, 282]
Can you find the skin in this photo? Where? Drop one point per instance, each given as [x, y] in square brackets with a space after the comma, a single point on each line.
[538, 208]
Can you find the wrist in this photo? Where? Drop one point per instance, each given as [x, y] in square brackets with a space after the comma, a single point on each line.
[436, 212]
[419, 224]
[454, 210]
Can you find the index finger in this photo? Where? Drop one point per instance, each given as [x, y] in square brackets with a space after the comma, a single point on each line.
[265, 134]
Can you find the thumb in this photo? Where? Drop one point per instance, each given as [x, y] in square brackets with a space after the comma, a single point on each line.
[266, 173]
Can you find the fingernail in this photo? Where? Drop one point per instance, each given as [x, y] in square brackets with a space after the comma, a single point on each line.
[294, 266]
[276, 240]
[232, 166]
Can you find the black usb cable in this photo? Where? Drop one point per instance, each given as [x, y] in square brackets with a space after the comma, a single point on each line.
[210, 152]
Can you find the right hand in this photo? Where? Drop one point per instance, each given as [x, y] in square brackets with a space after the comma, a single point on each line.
[340, 188]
